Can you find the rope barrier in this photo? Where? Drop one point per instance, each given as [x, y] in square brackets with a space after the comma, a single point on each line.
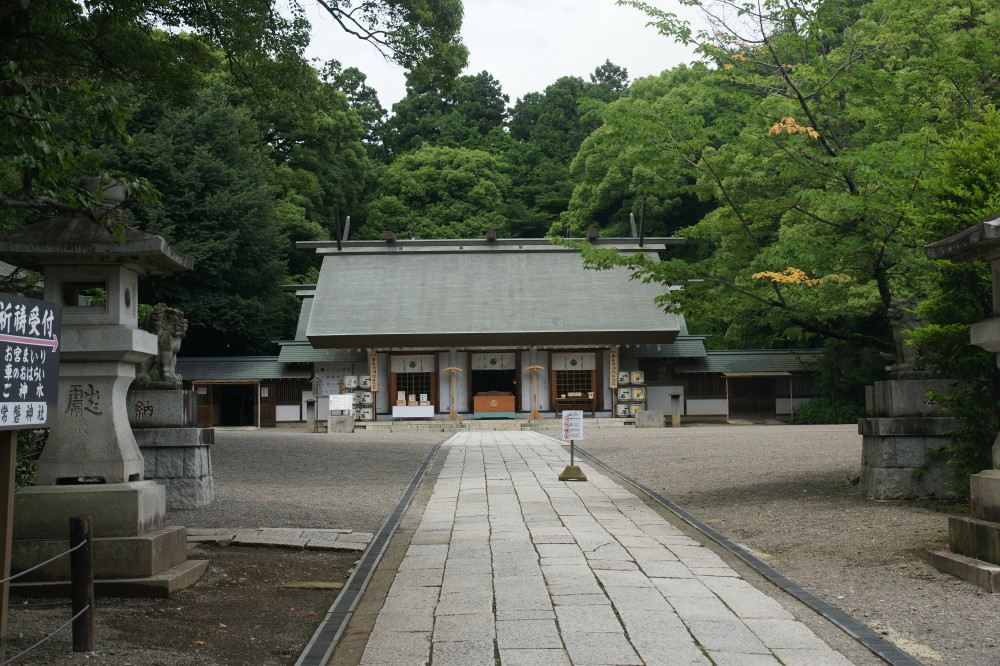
[63, 626]
[39, 566]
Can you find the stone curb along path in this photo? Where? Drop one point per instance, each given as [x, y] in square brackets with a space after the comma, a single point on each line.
[288, 537]
[509, 565]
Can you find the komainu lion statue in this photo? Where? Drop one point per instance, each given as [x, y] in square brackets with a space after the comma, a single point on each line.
[160, 371]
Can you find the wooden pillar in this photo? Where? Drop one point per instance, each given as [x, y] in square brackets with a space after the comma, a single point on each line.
[453, 415]
[534, 390]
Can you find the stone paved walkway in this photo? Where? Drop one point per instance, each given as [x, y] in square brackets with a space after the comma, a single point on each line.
[509, 563]
[291, 537]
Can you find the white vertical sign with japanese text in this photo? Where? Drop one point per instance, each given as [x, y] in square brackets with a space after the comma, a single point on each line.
[572, 425]
[29, 343]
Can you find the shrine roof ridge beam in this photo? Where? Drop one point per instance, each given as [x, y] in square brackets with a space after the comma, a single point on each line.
[478, 348]
[483, 245]
[484, 339]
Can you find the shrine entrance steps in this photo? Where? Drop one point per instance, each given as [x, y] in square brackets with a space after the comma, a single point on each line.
[440, 425]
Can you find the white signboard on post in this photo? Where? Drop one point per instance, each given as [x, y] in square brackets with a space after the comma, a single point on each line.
[572, 425]
[341, 402]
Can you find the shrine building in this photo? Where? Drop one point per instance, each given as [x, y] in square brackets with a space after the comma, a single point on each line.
[514, 328]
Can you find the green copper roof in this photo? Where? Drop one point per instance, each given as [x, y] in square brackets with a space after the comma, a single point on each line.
[753, 360]
[682, 347]
[304, 353]
[484, 295]
[229, 368]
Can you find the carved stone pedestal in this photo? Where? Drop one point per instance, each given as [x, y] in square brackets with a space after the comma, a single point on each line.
[902, 425]
[176, 452]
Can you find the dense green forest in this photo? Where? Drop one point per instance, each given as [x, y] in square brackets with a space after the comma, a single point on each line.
[807, 157]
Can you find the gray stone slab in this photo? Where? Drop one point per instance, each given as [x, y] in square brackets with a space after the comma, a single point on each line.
[580, 599]
[421, 562]
[725, 636]
[356, 537]
[697, 556]
[613, 565]
[655, 653]
[720, 572]
[404, 619]
[419, 578]
[527, 634]
[702, 608]
[683, 587]
[430, 537]
[462, 604]
[790, 634]
[528, 614]
[654, 554]
[666, 569]
[272, 540]
[411, 597]
[463, 653]
[610, 550]
[460, 583]
[643, 598]
[742, 659]
[600, 648]
[629, 579]
[469, 565]
[745, 600]
[811, 658]
[395, 647]
[469, 627]
[531, 657]
[595, 619]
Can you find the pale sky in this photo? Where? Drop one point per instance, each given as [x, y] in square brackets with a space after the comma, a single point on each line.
[524, 44]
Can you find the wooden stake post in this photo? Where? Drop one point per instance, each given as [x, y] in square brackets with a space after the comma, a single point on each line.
[8, 462]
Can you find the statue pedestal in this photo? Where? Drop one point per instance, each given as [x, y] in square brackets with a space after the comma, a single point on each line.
[176, 452]
[902, 425]
[135, 552]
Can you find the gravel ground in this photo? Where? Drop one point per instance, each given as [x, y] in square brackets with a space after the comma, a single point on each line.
[789, 493]
[286, 477]
[240, 613]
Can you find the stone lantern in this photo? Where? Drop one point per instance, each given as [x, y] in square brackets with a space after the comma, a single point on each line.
[91, 463]
[975, 540]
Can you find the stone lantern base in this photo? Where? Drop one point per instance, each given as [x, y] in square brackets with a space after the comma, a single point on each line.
[135, 551]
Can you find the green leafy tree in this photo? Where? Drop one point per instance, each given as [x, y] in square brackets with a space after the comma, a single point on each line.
[462, 115]
[960, 190]
[218, 208]
[548, 128]
[62, 59]
[439, 192]
[615, 167]
[361, 97]
[812, 234]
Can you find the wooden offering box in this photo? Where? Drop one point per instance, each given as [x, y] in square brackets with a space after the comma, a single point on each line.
[493, 405]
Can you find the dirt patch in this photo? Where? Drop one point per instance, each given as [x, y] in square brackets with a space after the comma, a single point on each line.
[238, 613]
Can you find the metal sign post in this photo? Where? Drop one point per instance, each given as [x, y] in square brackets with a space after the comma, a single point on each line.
[572, 430]
[29, 347]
